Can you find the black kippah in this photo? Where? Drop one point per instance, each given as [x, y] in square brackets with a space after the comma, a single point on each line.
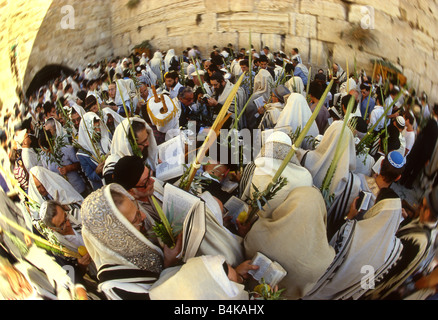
[128, 170]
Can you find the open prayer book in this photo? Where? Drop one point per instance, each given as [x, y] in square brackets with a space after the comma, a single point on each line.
[185, 213]
[259, 102]
[235, 206]
[171, 153]
[271, 271]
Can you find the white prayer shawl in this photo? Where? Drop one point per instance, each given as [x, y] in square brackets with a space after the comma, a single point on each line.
[268, 162]
[79, 110]
[30, 158]
[262, 84]
[167, 59]
[200, 278]
[271, 115]
[364, 164]
[59, 130]
[295, 84]
[295, 236]
[345, 186]
[117, 117]
[57, 187]
[86, 130]
[218, 240]
[296, 113]
[156, 64]
[240, 97]
[120, 146]
[368, 242]
[347, 86]
[125, 258]
[121, 91]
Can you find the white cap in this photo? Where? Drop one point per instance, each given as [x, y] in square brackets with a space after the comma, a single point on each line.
[401, 121]
[194, 74]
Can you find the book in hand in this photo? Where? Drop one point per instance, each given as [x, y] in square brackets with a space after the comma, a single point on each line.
[271, 271]
[172, 155]
[234, 207]
[335, 114]
[185, 213]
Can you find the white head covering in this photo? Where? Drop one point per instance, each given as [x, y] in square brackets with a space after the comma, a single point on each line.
[269, 161]
[295, 236]
[262, 84]
[111, 239]
[57, 187]
[117, 117]
[120, 146]
[156, 63]
[295, 84]
[87, 125]
[169, 55]
[367, 242]
[79, 110]
[200, 278]
[296, 113]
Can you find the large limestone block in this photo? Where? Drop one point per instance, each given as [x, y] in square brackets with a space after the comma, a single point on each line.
[257, 22]
[303, 25]
[330, 30]
[332, 9]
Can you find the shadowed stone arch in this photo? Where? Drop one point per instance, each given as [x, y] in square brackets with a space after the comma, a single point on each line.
[46, 74]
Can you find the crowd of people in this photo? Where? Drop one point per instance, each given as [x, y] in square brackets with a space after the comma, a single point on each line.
[79, 170]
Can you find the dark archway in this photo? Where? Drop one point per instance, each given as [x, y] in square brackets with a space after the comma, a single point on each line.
[46, 74]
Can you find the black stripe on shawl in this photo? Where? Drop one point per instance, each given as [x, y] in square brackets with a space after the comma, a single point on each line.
[127, 295]
[107, 274]
[335, 215]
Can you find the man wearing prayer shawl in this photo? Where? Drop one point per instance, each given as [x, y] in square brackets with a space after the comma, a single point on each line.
[47, 185]
[273, 110]
[345, 185]
[156, 64]
[369, 242]
[29, 146]
[111, 119]
[271, 156]
[295, 84]
[171, 62]
[121, 145]
[202, 278]
[263, 83]
[116, 234]
[417, 235]
[294, 235]
[95, 141]
[131, 173]
[295, 114]
[222, 89]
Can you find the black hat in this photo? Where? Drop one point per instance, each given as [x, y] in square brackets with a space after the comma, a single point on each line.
[128, 171]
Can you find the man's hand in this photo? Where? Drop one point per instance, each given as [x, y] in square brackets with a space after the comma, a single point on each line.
[85, 260]
[212, 102]
[244, 267]
[170, 254]
[99, 168]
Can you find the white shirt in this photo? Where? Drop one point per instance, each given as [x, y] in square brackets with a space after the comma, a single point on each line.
[374, 116]
[410, 139]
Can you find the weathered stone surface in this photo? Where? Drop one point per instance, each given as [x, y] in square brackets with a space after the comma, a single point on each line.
[331, 9]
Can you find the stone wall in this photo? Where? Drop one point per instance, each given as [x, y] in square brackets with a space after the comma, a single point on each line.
[404, 32]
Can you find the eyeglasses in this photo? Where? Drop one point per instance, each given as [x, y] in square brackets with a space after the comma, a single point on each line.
[144, 186]
[138, 219]
[62, 225]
